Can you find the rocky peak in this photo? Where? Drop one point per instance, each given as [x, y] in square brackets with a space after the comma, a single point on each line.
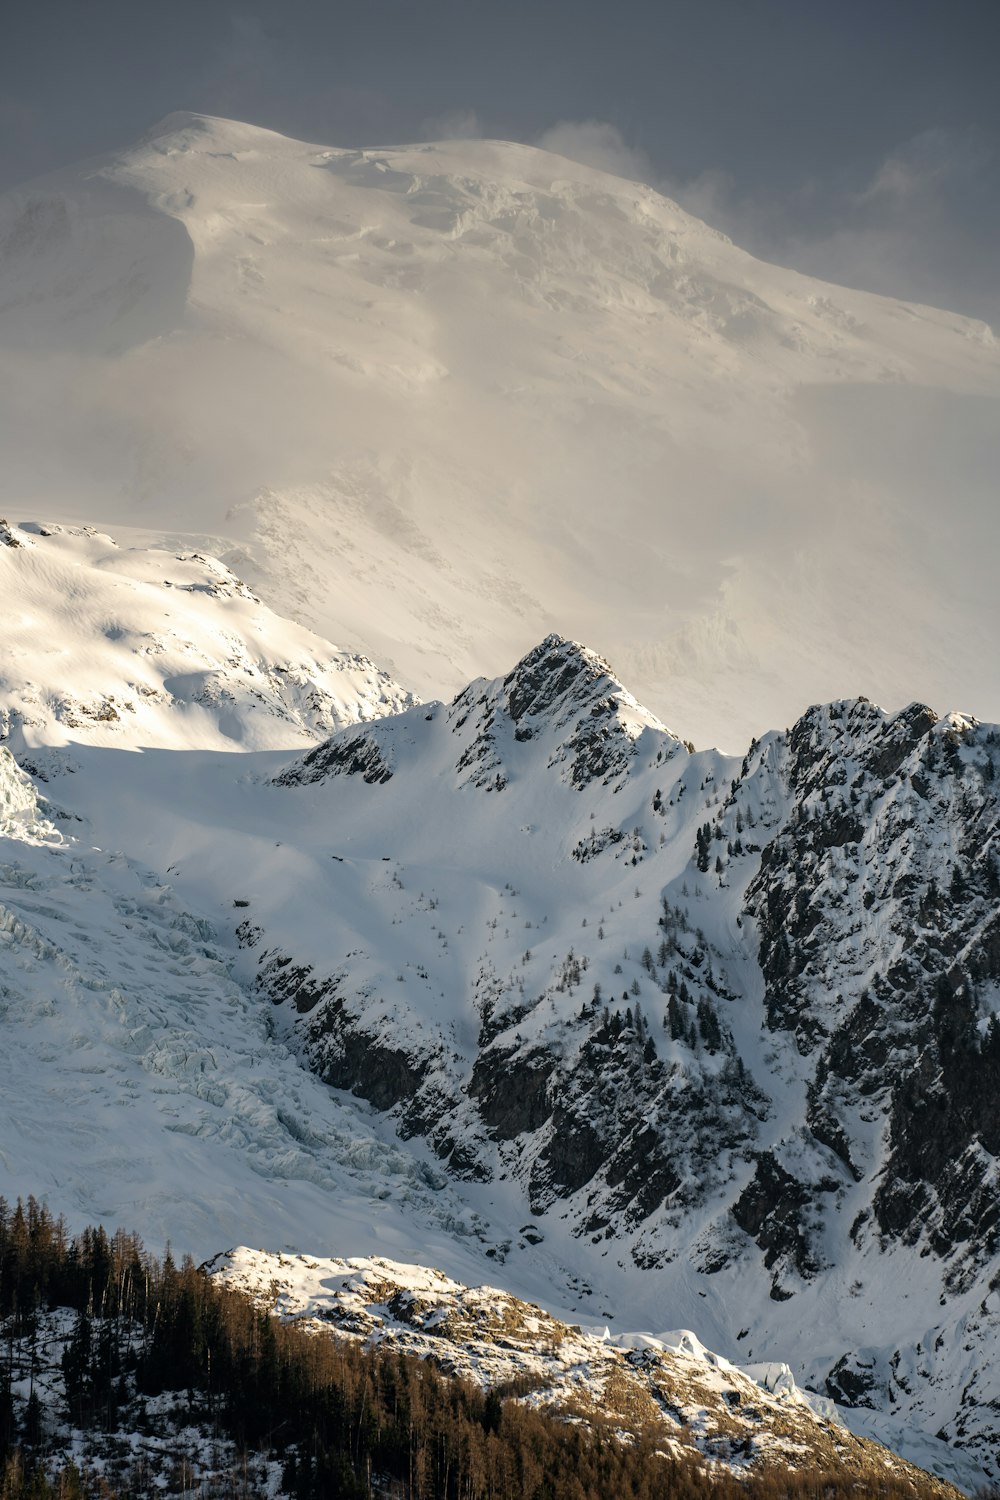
[558, 678]
[900, 736]
[829, 735]
[566, 699]
[876, 906]
[8, 535]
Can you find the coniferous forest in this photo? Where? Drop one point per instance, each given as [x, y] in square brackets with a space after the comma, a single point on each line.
[136, 1331]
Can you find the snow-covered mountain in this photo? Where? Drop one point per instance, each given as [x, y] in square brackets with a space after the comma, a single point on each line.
[439, 400]
[733, 1024]
[519, 986]
[130, 647]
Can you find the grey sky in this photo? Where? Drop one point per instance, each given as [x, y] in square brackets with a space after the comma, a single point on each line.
[860, 141]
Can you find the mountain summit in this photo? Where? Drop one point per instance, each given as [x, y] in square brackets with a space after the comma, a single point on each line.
[562, 698]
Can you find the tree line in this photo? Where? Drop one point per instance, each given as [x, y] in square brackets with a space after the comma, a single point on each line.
[343, 1421]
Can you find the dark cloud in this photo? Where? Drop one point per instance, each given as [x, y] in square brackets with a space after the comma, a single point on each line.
[923, 226]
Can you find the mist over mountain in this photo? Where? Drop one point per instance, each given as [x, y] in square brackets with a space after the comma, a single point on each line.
[436, 401]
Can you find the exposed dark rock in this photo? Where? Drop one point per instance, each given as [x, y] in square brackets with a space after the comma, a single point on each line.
[853, 1381]
[347, 753]
[363, 1064]
[902, 734]
[771, 1209]
[573, 1154]
[512, 1091]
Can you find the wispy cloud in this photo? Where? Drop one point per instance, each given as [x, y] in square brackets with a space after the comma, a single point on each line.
[927, 168]
[922, 226]
[917, 226]
[597, 143]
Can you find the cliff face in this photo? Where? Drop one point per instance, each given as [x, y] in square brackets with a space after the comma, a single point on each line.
[878, 909]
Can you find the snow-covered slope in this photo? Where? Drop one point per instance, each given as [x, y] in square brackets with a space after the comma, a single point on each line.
[141, 1085]
[435, 401]
[132, 647]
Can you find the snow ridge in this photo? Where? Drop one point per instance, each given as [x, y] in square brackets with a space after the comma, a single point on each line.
[140, 646]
